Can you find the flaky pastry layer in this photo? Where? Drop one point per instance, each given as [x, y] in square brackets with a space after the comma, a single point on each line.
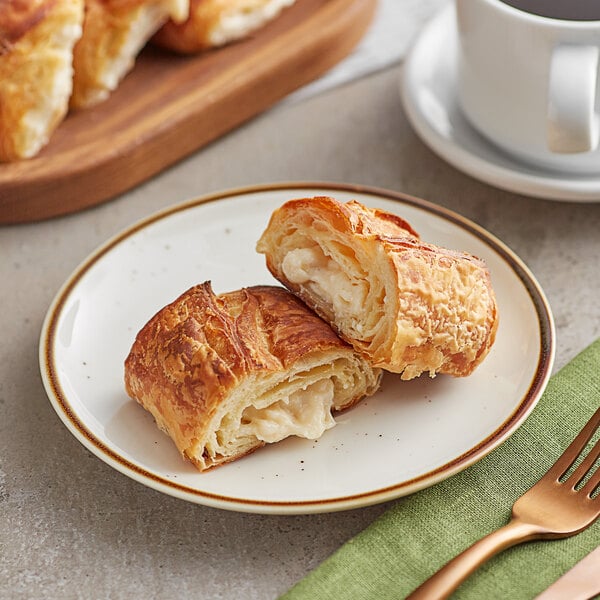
[36, 56]
[406, 305]
[114, 32]
[224, 375]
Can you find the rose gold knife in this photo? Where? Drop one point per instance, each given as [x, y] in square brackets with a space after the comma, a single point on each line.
[582, 582]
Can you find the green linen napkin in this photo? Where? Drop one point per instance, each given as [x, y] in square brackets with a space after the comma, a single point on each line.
[421, 532]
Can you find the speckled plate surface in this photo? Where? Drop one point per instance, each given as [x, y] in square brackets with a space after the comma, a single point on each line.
[406, 437]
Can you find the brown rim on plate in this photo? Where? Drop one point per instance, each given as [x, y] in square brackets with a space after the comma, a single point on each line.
[89, 440]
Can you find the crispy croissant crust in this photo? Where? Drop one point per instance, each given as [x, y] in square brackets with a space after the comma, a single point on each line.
[17, 17]
[114, 32]
[407, 306]
[213, 23]
[223, 375]
[36, 56]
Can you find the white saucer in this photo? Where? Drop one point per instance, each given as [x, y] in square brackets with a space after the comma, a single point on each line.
[429, 96]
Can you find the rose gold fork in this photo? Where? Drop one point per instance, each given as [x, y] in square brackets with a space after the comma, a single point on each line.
[558, 505]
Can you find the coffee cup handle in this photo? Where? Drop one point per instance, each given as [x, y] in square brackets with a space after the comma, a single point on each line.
[573, 123]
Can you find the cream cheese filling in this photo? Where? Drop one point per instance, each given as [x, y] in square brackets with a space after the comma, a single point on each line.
[344, 294]
[304, 413]
[239, 22]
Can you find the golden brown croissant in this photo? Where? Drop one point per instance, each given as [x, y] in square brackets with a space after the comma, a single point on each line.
[407, 306]
[213, 23]
[114, 32]
[224, 375]
[36, 71]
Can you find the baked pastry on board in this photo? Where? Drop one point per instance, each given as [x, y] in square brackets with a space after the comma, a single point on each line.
[214, 23]
[406, 305]
[114, 32]
[224, 375]
[36, 57]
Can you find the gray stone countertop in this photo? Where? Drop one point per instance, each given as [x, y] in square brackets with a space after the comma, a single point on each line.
[71, 526]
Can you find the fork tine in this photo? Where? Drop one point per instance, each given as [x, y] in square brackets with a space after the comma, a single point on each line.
[586, 464]
[568, 457]
[592, 484]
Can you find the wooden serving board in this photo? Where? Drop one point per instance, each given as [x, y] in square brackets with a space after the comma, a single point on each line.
[169, 106]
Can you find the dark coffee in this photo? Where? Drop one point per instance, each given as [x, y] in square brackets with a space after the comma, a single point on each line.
[571, 10]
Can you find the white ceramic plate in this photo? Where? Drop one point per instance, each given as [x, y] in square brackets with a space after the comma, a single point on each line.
[406, 437]
[430, 100]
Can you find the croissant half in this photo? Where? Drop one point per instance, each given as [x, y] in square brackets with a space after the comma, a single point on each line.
[224, 375]
[36, 58]
[114, 32]
[214, 23]
[406, 305]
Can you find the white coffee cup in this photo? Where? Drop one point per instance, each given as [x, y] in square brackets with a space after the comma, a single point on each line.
[530, 83]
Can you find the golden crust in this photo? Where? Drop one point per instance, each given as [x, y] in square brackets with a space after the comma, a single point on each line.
[17, 17]
[203, 359]
[114, 32]
[36, 42]
[406, 305]
[213, 23]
